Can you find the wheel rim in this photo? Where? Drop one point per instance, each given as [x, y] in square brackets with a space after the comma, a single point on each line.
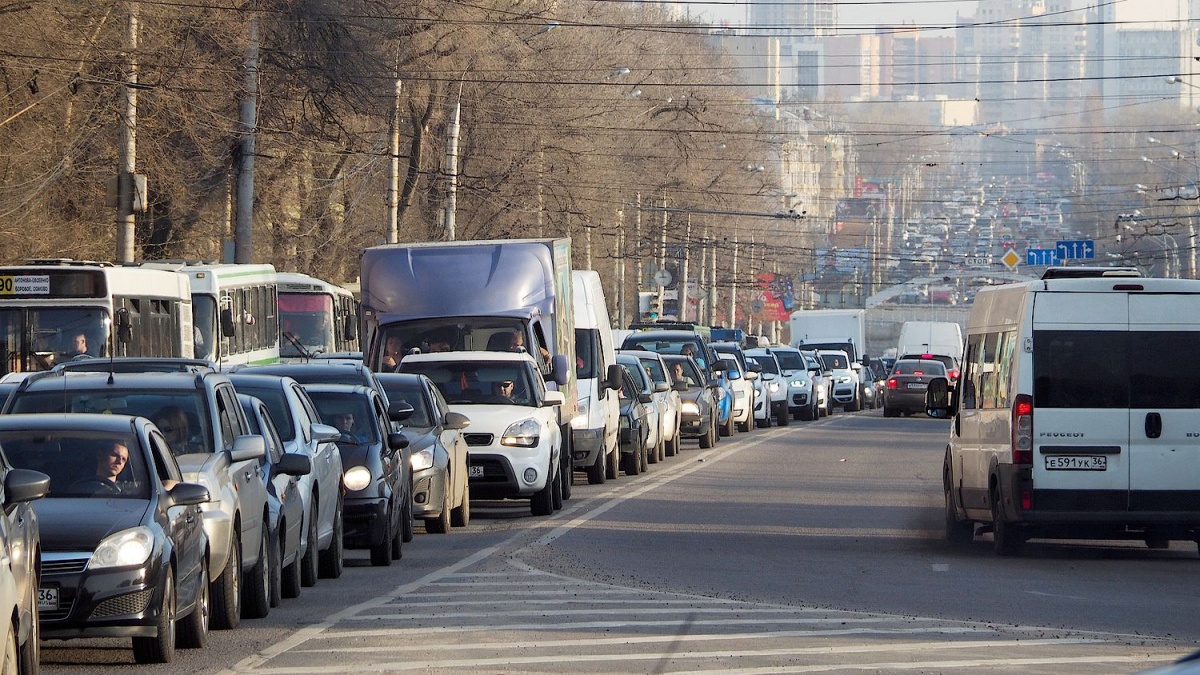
[169, 610]
[203, 601]
[264, 560]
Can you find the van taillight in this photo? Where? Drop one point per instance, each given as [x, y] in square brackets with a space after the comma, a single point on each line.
[1022, 429]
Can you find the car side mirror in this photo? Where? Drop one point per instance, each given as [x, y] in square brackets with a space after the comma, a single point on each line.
[679, 386]
[188, 494]
[612, 379]
[456, 421]
[553, 398]
[250, 446]
[645, 398]
[323, 433]
[720, 366]
[397, 441]
[660, 387]
[294, 464]
[23, 485]
[398, 411]
[751, 375]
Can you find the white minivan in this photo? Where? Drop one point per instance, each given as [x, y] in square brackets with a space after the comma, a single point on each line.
[594, 429]
[1076, 413]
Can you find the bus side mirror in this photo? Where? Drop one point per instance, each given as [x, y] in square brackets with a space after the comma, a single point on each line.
[350, 332]
[227, 327]
[124, 326]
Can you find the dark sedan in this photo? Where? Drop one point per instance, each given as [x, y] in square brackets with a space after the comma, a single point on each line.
[123, 544]
[635, 425]
[904, 392]
[441, 491]
[378, 478]
[699, 416]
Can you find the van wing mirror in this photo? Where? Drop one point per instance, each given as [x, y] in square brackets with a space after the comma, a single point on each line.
[939, 402]
[612, 378]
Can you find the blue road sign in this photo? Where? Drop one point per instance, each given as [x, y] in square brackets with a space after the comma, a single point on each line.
[1074, 249]
[1041, 256]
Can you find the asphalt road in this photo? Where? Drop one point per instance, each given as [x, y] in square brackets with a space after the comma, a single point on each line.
[811, 548]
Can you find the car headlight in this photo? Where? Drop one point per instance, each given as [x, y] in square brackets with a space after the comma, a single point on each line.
[774, 387]
[690, 407]
[422, 459]
[357, 478]
[580, 421]
[798, 383]
[739, 394]
[523, 434]
[127, 548]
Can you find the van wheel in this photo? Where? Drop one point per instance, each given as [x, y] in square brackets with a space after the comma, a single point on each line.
[958, 532]
[1006, 538]
[614, 464]
[596, 473]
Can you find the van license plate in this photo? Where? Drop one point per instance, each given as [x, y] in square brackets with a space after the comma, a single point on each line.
[476, 472]
[47, 598]
[1076, 463]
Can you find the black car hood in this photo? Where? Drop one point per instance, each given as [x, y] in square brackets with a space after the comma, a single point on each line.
[69, 524]
[419, 438]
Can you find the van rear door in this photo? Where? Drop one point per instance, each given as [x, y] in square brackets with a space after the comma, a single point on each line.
[1164, 415]
[1080, 400]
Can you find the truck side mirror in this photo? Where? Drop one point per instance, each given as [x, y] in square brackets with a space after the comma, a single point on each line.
[558, 369]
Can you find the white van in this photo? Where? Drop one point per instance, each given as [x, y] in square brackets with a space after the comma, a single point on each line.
[594, 429]
[933, 337]
[1076, 413]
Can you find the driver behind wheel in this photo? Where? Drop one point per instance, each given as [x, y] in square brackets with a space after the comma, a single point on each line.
[111, 459]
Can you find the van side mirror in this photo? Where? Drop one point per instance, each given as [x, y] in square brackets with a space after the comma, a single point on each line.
[938, 399]
[612, 379]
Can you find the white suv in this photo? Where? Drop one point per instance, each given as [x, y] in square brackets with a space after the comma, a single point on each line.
[774, 386]
[845, 390]
[805, 394]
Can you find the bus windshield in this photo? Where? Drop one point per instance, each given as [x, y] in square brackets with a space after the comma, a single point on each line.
[36, 339]
[305, 323]
[204, 324]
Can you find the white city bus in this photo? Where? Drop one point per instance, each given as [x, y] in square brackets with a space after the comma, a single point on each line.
[56, 310]
[235, 311]
[315, 317]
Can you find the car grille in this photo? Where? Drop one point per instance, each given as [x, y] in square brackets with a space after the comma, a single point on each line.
[494, 469]
[799, 399]
[478, 439]
[68, 566]
[123, 605]
[64, 609]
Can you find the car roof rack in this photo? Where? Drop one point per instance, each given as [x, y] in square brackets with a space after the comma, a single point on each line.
[1089, 272]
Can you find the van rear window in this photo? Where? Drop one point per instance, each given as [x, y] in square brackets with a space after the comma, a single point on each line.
[1115, 369]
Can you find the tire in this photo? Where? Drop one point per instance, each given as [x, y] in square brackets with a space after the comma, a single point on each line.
[276, 560]
[309, 563]
[461, 515]
[542, 502]
[11, 652]
[568, 474]
[597, 473]
[672, 447]
[407, 528]
[396, 549]
[330, 561]
[257, 591]
[161, 647]
[764, 423]
[29, 655]
[783, 418]
[744, 427]
[890, 412]
[441, 524]
[227, 589]
[613, 466]
[958, 532]
[708, 439]
[1006, 539]
[556, 494]
[727, 428]
[291, 578]
[381, 552]
[633, 463]
[656, 453]
[193, 630]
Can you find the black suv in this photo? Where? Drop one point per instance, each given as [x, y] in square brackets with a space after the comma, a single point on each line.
[207, 431]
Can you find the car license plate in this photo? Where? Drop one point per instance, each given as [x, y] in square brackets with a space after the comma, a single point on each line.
[476, 472]
[47, 598]
[1076, 463]
[916, 385]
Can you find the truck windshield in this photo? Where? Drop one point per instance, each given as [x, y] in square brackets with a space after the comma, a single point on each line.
[452, 334]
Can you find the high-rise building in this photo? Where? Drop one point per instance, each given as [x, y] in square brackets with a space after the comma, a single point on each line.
[794, 18]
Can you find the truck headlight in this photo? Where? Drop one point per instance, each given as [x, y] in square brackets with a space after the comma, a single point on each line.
[127, 548]
[523, 434]
[422, 459]
[357, 478]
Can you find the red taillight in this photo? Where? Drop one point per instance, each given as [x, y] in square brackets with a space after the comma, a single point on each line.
[918, 372]
[952, 374]
[891, 383]
[1026, 500]
[1022, 429]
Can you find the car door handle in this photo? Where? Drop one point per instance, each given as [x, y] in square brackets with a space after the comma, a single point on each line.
[1153, 425]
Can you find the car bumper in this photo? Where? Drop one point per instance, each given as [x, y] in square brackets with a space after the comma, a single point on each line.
[219, 528]
[585, 445]
[429, 488]
[365, 521]
[914, 401]
[503, 475]
[102, 603]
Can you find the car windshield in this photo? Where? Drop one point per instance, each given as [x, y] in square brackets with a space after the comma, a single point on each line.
[655, 368]
[497, 334]
[277, 405]
[684, 370]
[83, 464]
[350, 413]
[685, 346]
[489, 382]
[835, 361]
[790, 360]
[768, 364]
[413, 395]
[305, 323]
[181, 415]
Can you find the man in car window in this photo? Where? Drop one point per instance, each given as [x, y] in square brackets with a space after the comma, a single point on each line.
[345, 423]
[111, 459]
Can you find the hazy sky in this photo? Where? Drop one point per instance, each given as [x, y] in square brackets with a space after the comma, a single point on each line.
[859, 12]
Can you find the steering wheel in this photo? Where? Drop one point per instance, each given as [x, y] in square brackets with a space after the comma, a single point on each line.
[348, 437]
[94, 486]
[498, 399]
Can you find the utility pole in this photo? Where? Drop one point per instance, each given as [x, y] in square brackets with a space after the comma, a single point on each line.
[661, 258]
[733, 286]
[637, 267]
[621, 275]
[683, 285]
[712, 291]
[705, 276]
[587, 247]
[452, 173]
[128, 150]
[541, 163]
[393, 194]
[243, 247]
